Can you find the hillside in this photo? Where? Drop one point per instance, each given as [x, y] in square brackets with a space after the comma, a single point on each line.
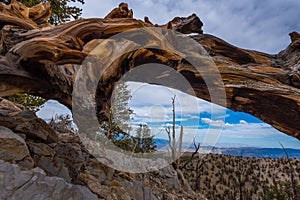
[231, 177]
[254, 152]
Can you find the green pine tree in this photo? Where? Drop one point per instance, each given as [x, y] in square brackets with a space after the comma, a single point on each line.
[143, 140]
[116, 126]
[29, 102]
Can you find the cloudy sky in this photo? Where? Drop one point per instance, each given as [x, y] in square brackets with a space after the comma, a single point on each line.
[252, 24]
[201, 119]
[208, 123]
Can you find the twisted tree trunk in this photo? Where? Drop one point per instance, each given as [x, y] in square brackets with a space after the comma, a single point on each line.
[43, 60]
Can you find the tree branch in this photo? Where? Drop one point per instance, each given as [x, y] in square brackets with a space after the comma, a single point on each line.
[43, 62]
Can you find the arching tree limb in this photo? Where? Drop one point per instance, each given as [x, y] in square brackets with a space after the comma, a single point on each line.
[45, 61]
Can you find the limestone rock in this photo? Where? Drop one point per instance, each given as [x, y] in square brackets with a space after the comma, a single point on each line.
[44, 157]
[64, 160]
[170, 178]
[32, 185]
[25, 122]
[41, 149]
[138, 191]
[13, 148]
[69, 160]
[112, 191]
[119, 193]
[37, 129]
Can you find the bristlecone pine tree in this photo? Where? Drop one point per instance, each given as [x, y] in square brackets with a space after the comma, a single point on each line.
[61, 11]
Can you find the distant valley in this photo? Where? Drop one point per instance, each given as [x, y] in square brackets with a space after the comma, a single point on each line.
[252, 152]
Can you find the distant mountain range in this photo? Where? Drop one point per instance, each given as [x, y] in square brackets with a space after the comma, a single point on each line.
[243, 151]
[259, 152]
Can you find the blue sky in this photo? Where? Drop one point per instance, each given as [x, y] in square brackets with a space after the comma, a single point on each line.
[198, 117]
[251, 24]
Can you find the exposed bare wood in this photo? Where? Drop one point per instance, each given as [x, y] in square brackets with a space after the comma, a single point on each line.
[45, 61]
[186, 25]
[196, 147]
[292, 176]
[28, 18]
[180, 146]
[121, 12]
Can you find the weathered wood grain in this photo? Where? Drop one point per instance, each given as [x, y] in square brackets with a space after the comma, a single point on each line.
[43, 60]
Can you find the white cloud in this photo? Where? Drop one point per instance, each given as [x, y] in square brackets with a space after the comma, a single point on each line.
[243, 129]
[214, 123]
[231, 131]
[154, 102]
[243, 122]
[254, 24]
[250, 130]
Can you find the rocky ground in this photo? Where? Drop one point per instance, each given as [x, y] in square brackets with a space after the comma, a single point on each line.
[38, 163]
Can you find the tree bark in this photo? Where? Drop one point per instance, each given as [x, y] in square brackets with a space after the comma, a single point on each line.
[44, 60]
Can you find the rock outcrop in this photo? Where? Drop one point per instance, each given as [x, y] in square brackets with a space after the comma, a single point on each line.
[27, 123]
[35, 168]
[34, 185]
[13, 148]
[42, 61]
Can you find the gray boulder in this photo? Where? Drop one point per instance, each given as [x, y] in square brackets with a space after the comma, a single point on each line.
[16, 184]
